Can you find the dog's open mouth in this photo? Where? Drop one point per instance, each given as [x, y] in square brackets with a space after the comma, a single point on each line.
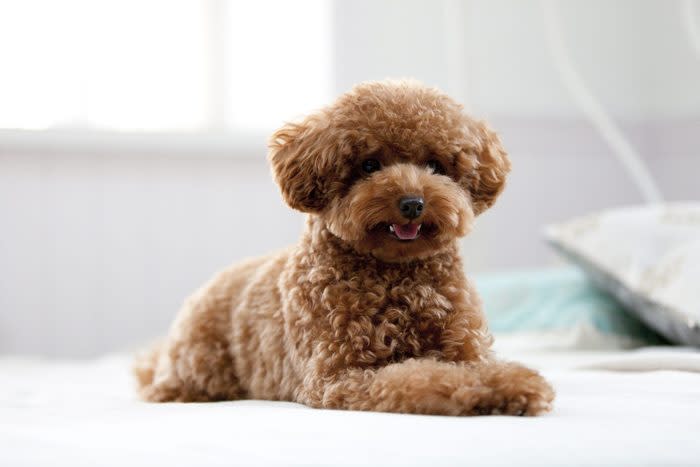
[406, 231]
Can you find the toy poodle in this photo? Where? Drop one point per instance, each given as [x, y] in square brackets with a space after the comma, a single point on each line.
[371, 310]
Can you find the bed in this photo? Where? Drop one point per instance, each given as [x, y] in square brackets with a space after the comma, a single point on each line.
[615, 406]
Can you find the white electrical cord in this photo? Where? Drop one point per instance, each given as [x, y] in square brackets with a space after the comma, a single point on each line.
[689, 17]
[456, 53]
[622, 149]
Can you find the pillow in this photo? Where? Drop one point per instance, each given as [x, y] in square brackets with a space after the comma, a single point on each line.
[557, 309]
[648, 257]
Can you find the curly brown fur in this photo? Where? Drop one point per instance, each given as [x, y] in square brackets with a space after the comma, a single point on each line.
[354, 317]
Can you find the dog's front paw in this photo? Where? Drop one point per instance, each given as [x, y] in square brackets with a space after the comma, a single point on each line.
[515, 390]
[518, 405]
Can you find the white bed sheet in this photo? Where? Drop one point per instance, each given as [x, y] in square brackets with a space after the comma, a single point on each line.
[84, 413]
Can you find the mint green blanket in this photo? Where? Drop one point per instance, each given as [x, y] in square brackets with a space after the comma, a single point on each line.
[554, 300]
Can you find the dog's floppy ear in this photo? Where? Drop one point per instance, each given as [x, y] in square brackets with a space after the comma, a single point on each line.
[300, 155]
[487, 165]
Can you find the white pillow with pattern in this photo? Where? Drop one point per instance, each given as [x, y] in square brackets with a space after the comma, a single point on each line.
[648, 257]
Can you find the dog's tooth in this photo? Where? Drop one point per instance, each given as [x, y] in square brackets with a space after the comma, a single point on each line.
[419, 226]
[391, 228]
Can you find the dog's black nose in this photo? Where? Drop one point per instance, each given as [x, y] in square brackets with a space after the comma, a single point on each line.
[411, 207]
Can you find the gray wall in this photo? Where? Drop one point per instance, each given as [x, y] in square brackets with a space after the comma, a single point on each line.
[635, 55]
[98, 250]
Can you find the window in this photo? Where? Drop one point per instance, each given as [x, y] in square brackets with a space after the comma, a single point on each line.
[162, 65]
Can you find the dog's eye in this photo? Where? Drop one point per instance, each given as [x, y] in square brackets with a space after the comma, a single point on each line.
[436, 167]
[371, 165]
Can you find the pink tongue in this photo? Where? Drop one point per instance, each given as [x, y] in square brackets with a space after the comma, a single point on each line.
[406, 232]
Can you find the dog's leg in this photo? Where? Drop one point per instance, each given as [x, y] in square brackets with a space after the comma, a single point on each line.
[432, 387]
[513, 389]
[195, 362]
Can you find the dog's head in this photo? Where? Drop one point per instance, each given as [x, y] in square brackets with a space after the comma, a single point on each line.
[395, 169]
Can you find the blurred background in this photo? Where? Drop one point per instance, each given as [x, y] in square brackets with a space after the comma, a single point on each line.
[133, 134]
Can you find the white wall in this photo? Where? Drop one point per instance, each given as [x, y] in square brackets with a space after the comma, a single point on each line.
[100, 243]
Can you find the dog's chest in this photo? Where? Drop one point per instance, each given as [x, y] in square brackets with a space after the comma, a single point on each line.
[376, 318]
